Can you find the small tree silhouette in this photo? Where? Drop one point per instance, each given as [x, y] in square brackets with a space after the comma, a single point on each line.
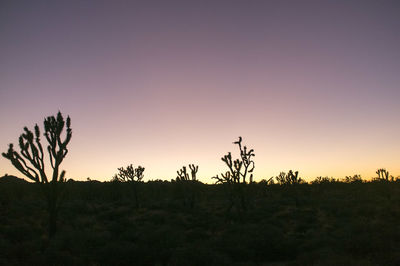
[235, 178]
[239, 168]
[133, 176]
[193, 170]
[383, 174]
[30, 160]
[290, 181]
[291, 178]
[187, 185]
[184, 176]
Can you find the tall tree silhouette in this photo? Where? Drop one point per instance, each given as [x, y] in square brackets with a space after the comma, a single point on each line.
[30, 160]
[235, 178]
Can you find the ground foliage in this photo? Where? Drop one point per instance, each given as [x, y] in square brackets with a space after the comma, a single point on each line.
[324, 223]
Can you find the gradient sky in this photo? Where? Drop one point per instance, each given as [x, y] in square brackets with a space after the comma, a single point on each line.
[312, 86]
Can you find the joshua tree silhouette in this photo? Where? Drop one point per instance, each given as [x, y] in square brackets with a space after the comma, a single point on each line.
[291, 178]
[133, 176]
[383, 174]
[184, 176]
[235, 178]
[187, 186]
[239, 168]
[30, 160]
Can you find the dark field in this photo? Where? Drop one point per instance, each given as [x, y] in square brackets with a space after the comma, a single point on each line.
[190, 223]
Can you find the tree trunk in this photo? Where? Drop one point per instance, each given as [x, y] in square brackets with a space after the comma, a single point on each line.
[52, 207]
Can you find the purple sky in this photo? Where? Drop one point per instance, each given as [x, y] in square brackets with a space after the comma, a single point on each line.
[310, 85]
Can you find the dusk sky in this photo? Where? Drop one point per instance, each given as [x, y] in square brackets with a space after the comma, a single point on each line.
[312, 86]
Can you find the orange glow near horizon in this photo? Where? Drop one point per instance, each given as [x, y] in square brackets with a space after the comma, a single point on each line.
[272, 159]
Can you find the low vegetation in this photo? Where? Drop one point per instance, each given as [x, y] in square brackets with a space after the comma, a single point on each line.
[328, 223]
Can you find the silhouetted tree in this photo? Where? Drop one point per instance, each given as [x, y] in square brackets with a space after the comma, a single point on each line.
[235, 178]
[239, 168]
[184, 176]
[193, 171]
[187, 185]
[383, 174]
[133, 176]
[291, 178]
[30, 160]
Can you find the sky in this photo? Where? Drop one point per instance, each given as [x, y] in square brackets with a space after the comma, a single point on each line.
[311, 86]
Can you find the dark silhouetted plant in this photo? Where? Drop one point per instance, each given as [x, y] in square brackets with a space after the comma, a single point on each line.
[239, 168]
[268, 182]
[281, 178]
[353, 179]
[130, 173]
[383, 174]
[133, 176]
[183, 174]
[193, 171]
[291, 178]
[224, 179]
[324, 180]
[187, 185]
[30, 160]
[235, 178]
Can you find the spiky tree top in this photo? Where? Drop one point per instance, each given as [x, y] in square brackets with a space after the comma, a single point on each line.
[30, 160]
[130, 174]
[193, 171]
[291, 178]
[383, 174]
[239, 168]
[183, 174]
